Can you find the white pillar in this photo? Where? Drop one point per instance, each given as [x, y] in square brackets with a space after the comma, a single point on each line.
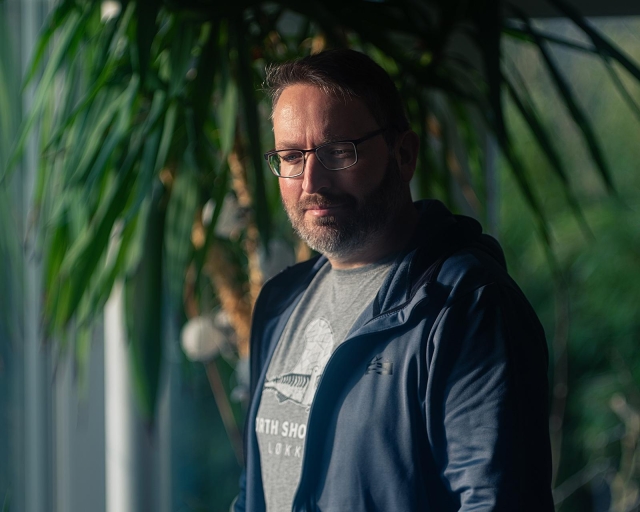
[120, 457]
[135, 459]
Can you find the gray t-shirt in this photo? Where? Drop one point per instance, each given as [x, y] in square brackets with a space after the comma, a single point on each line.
[328, 309]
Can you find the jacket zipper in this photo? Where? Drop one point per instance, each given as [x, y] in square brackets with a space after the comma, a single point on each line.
[333, 356]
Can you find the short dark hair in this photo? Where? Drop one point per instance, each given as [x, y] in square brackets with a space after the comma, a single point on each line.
[348, 74]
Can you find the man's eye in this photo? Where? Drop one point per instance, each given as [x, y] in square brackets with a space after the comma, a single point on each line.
[291, 158]
[338, 151]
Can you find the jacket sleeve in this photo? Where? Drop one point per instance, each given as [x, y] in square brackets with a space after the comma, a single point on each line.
[239, 503]
[487, 416]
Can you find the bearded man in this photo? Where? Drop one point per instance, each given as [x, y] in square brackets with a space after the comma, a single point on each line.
[402, 369]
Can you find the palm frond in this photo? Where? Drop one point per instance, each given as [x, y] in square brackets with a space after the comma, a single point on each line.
[140, 114]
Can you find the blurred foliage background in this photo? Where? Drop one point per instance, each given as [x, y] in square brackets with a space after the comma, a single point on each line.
[151, 124]
[592, 317]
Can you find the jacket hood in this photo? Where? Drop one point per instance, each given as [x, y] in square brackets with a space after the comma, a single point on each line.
[438, 235]
[438, 227]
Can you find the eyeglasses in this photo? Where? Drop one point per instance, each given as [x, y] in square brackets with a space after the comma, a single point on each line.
[334, 156]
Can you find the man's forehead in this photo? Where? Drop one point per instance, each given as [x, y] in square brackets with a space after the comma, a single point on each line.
[302, 99]
[303, 108]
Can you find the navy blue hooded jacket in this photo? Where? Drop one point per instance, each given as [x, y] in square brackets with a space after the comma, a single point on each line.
[437, 399]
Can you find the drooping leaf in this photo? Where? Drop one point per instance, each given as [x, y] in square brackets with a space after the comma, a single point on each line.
[58, 17]
[116, 134]
[577, 113]
[181, 212]
[203, 84]
[167, 136]
[144, 310]
[149, 162]
[532, 118]
[517, 32]
[626, 96]
[146, 12]
[219, 193]
[600, 42]
[250, 113]
[180, 55]
[228, 115]
[87, 249]
[70, 36]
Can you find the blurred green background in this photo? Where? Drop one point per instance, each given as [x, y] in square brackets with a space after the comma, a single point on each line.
[103, 122]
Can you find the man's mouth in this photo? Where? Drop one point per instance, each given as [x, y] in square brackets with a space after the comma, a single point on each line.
[322, 206]
[321, 210]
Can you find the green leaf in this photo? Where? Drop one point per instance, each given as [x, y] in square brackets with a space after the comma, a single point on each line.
[204, 81]
[532, 118]
[578, 115]
[488, 25]
[70, 36]
[146, 13]
[89, 100]
[94, 127]
[84, 255]
[220, 191]
[56, 20]
[180, 55]
[227, 115]
[626, 96]
[517, 32]
[56, 250]
[149, 159]
[181, 210]
[527, 190]
[118, 255]
[118, 131]
[167, 136]
[250, 111]
[600, 42]
[144, 310]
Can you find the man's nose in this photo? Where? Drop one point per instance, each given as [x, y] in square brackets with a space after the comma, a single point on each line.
[316, 176]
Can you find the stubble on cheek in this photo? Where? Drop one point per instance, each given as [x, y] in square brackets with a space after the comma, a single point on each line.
[358, 220]
[322, 234]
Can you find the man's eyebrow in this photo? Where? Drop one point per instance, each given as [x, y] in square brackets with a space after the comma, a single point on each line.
[327, 138]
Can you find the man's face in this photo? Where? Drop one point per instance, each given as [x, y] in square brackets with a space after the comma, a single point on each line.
[334, 212]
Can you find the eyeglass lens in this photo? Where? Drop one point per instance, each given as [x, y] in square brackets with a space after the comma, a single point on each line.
[335, 156]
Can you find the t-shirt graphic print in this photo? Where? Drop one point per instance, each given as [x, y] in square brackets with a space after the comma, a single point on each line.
[300, 384]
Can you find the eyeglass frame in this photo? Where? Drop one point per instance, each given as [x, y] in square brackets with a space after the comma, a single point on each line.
[355, 143]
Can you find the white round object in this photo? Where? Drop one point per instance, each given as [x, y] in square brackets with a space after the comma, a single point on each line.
[201, 340]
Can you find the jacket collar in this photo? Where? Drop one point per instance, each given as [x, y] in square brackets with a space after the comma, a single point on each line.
[438, 234]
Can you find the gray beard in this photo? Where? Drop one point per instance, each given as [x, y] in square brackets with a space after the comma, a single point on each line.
[337, 237]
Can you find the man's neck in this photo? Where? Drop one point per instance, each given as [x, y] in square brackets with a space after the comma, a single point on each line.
[392, 238]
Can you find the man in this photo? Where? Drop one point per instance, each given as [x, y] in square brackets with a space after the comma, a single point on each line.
[402, 369]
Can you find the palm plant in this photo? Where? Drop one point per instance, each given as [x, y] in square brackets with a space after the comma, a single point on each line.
[152, 118]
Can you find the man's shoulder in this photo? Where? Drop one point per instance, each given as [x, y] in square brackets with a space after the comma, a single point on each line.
[471, 275]
[453, 252]
[470, 266]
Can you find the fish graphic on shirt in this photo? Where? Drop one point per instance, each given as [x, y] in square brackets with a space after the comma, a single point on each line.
[300, 384]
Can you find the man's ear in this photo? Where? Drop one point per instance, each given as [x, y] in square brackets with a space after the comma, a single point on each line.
[406, 154]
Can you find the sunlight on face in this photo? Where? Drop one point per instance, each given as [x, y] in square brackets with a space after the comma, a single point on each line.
[334, 211]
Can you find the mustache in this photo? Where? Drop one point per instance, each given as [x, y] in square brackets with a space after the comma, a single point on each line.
[326, 200]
